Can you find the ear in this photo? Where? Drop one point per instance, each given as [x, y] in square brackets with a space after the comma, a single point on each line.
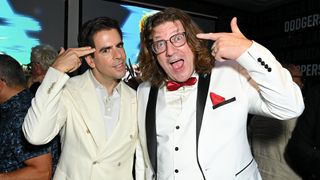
[37, 68]
[2, 84]
[90, 61]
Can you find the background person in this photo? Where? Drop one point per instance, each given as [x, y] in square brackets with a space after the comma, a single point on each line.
[42, 57]
[269, 137]
[18, 158]
[303, 149]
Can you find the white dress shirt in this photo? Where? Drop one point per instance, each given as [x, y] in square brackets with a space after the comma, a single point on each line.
[109, 104]
[176, 129]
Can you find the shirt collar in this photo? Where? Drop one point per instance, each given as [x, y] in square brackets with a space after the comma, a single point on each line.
[100, 87]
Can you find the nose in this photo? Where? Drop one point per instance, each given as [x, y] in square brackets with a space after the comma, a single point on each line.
[117, 54]
[170, 49]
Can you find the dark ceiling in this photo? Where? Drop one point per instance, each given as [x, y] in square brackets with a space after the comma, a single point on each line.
[250, 5]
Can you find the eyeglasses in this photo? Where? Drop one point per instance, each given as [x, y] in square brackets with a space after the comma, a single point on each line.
[176, 40]
[29, 66]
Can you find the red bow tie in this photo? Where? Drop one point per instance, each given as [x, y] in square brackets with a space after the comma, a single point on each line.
[172, 85]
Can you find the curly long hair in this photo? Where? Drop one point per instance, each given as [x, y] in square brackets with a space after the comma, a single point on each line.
[150, 68]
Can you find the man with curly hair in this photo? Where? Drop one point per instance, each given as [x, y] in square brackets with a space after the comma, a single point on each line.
[193, 105]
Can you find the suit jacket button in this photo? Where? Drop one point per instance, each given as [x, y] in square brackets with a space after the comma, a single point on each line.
[259, 59]
[269, 69]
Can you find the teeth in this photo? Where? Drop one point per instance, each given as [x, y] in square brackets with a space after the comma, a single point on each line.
[173, 61]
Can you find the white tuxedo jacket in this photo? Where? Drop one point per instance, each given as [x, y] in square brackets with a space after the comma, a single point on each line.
[71, 107]
[223, 150]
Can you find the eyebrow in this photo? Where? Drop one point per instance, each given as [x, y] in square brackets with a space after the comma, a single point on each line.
[157, 38]
[110, 47]
[120, 43]
[105, 48]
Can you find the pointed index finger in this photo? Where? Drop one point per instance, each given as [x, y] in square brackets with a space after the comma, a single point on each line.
[83, 51]
[211, 36]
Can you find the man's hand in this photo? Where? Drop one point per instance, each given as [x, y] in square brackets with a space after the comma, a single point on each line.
[69, 60]
[227, 46]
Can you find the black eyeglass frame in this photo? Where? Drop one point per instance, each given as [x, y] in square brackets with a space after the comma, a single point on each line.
[171, 40]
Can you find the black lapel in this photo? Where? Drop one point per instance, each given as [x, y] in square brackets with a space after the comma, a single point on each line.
[203, 86]
[151, 132]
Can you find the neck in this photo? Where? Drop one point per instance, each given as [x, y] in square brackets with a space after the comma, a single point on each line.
[9, 92]
[108, 84]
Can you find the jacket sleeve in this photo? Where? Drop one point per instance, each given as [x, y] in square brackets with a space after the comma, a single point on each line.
[279, 97]
[46, 115]
[303, 149]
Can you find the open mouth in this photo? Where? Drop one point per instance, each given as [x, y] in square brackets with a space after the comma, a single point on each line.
[177, 64]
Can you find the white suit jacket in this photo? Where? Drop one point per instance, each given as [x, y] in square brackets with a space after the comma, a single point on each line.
[223, 150]
[71, 107]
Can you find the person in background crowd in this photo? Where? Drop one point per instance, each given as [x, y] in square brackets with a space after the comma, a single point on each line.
[95, 112]
[303, 149]
[42, 57]
[269, 137]
[18, 158]
[192, 110]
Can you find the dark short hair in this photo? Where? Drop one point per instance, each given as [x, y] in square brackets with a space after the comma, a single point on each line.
[11, 71]
[91, 27]
[149, 66]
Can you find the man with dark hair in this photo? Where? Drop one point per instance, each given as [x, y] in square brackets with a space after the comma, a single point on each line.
[192, 110]
[95, 112]
[18, 158]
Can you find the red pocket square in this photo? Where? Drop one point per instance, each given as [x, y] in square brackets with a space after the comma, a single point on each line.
[216, 99]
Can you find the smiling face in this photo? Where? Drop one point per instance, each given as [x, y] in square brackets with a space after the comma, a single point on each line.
[108, 64]
[177, 62]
